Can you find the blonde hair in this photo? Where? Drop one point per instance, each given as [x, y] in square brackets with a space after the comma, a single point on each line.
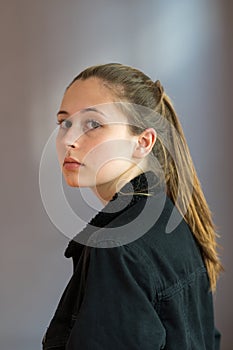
[131, 85]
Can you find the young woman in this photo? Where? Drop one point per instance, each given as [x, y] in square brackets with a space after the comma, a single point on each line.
[146, 265]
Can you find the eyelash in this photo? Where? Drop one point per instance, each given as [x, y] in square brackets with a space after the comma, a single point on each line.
[87, 121]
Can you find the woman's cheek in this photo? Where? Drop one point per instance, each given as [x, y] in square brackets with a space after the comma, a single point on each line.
[60, 152]
[100, 153]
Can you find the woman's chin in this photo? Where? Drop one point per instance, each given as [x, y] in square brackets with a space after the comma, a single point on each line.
[72, 184]
[71, 180]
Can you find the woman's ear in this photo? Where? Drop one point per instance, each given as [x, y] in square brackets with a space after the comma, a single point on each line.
[145, 142]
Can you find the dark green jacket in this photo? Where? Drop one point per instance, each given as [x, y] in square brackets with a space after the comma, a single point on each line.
[143, 288]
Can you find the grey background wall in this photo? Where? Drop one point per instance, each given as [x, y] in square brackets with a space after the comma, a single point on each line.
[44, 44]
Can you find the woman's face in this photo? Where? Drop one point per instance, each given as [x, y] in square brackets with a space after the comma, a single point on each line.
[95, 133]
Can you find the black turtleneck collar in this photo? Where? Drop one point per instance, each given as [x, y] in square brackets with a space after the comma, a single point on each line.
[141, 185]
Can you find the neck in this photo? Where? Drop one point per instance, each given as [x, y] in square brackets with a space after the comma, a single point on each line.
[106, 191]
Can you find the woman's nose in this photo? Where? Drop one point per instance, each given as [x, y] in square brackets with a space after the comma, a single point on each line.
[72, 137]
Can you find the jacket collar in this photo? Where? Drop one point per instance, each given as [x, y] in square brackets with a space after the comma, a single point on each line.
[141, 185]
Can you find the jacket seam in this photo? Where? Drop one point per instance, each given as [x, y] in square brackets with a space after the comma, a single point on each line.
[175, 288]
[151, 271]
[169, 292]
[187, 330]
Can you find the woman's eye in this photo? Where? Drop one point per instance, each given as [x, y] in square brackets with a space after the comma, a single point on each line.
[64, 124]
[88, 125]
[93, 124]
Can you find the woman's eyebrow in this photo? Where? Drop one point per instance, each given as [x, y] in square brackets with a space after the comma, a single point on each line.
[85, 110]
[93, 109]
[62, 112]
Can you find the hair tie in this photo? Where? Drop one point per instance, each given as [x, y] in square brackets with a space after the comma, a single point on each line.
[160, 88]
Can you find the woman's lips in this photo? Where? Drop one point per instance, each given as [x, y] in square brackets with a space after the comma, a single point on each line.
[72, 165]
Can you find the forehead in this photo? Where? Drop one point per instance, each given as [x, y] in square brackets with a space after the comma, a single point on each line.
[83, 94]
